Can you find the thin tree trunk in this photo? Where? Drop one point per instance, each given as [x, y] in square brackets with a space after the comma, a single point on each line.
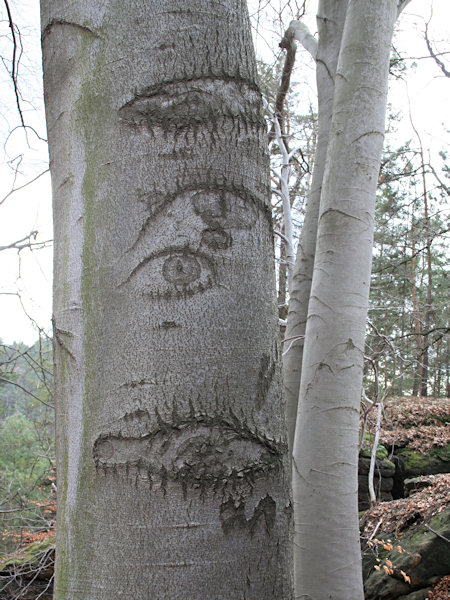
[282, 280]
[327, 547]
[428, 302]
[428, 241]
[172, 463]
[447, 379]
[403, 322]
[437, 371]
[330, 19]
[373, 457]
[416, 316]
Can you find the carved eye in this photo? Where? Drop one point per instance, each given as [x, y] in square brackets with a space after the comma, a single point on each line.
[174, 272]
[181, 269]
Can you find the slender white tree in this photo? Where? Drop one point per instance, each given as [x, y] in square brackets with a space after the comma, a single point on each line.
[330, 21]
[325, 448]
[172, 465]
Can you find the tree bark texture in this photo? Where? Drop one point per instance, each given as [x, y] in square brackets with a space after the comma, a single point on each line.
[172, 454]
[330, 21]
[327, 548]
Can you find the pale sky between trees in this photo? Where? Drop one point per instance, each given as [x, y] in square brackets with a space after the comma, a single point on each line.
[29, 209]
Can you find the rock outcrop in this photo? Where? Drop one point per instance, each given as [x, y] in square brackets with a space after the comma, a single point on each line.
[406, 543]
[424, 559]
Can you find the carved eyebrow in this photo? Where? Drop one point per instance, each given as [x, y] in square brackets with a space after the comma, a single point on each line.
[208, 187]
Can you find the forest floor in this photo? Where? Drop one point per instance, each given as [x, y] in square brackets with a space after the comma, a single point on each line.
[405, 542]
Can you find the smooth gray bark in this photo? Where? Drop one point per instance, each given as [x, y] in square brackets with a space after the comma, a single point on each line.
[325, 457]
[172, 455]
[330, 21]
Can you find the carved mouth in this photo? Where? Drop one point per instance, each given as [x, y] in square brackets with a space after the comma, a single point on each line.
[190, 452]
[182, 104]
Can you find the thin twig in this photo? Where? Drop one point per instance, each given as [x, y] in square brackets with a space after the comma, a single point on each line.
[433, 54]
[15, 61]
[438, 534]
[26, 391]
[22, 186]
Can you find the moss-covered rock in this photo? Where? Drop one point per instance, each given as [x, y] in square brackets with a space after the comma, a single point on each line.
[383, 466]
[437, 460]
[28, 572]
[424, 558]
[383, 480]
[30, 554]
[419, 595]
[366, 449]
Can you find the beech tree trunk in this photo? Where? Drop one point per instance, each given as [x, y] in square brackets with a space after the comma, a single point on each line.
[330, 22]
[172, 465]
[325, 457]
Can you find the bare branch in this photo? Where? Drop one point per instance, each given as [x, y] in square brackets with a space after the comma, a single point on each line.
[433, 53]
[4, 380]
[438, 534]
[290, 46]
[300, 32]
[15, 61]
[27, 242]
[23, 186]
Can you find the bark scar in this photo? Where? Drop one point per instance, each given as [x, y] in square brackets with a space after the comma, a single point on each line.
[266, 374]
[59, 335]
[63, 22]
[232, 515]
[173, 106]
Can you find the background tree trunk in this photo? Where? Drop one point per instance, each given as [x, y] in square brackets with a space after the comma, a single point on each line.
[172, 478]
[429, 284]
[330, 21]
[325, 460]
